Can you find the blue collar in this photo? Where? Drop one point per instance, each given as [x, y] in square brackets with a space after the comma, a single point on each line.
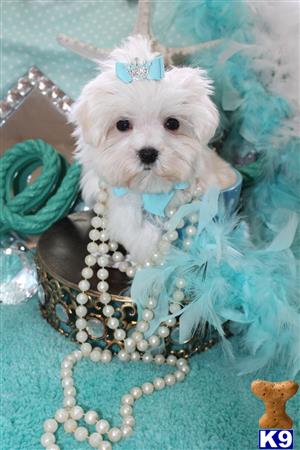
[154, 203]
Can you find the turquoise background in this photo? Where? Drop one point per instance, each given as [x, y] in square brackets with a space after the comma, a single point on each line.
[214, 409]
[29, 30]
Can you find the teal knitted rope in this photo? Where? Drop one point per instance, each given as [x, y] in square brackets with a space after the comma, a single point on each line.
[32, 208]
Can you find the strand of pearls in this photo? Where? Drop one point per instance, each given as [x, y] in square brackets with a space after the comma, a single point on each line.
[136, 346]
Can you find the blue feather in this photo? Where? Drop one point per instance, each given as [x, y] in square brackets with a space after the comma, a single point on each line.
[229, 279]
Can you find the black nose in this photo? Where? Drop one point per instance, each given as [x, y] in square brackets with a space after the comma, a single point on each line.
[148, 155]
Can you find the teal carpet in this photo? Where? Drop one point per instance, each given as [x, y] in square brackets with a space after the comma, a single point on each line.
[212, 410]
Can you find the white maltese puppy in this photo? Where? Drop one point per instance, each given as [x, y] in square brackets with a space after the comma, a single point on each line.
[145, 131]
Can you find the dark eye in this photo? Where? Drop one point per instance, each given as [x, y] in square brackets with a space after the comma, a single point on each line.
[171, 124]
[123, 125]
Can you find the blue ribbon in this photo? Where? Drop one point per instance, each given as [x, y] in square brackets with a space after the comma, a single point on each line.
[154, 203]
[148, 70]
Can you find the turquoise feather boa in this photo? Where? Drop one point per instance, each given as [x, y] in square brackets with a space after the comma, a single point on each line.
[229, 279]
[255, 123]
[241, 270]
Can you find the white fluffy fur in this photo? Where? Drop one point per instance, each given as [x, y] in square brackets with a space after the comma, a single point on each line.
[106, 153]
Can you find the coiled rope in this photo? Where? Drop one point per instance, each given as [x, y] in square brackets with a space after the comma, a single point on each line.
[32, 208]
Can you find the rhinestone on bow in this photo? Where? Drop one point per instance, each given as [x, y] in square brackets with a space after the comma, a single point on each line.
[138, 71]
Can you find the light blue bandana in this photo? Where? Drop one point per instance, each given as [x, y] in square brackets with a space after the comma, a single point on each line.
[154, 203]
[147, 70]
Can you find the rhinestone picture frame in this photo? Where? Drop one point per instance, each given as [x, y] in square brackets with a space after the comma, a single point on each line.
[24, 86]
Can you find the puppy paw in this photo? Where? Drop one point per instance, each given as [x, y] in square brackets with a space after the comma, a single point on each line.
[215, 172]
[145, 243]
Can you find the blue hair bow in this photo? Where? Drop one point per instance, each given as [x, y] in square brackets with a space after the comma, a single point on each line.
[148, 70]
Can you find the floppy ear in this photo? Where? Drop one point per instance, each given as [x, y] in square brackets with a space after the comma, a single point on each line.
[88, 114]
[197, 89]
[205, 119]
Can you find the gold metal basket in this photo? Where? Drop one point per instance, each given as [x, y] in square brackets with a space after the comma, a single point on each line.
[60, 255]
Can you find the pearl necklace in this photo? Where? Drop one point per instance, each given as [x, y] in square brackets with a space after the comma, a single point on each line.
[136, 347]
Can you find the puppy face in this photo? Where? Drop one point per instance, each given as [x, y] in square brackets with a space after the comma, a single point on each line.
[146, 135]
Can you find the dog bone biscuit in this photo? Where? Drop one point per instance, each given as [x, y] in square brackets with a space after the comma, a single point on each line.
[275, 396]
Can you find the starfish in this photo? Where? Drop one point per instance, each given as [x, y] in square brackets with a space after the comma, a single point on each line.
[172, 55]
